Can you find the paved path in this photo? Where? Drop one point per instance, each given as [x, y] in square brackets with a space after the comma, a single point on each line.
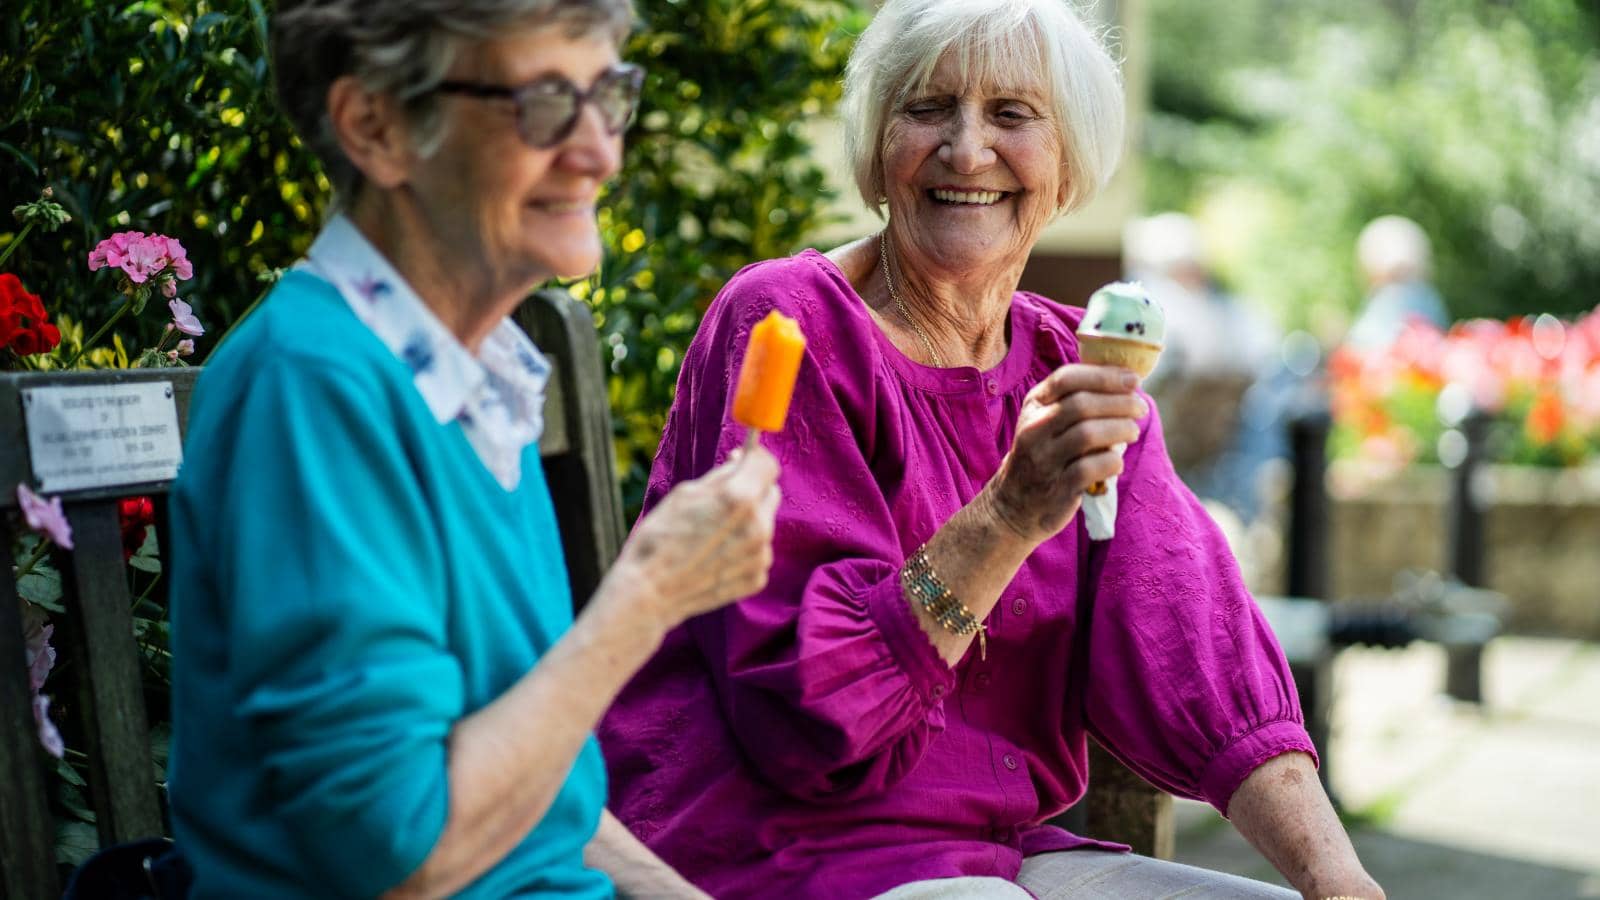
[1448, 801]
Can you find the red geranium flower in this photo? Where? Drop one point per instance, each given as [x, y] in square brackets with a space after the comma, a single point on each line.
[23, 325]
[136, 515]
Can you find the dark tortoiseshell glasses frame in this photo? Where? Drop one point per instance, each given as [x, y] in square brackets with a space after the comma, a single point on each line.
[548, 107]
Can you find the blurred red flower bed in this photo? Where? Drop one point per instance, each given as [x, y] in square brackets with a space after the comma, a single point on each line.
[1538, 377]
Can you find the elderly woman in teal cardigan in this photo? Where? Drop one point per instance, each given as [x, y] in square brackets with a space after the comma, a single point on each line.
[378, 684]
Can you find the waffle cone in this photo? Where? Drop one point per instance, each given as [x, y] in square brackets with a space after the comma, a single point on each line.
[1101, 350]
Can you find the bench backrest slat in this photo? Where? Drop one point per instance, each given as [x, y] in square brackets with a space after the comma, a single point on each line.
[26, 840]
[110, 689]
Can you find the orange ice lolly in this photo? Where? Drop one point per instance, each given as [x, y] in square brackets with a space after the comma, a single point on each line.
[766, 380]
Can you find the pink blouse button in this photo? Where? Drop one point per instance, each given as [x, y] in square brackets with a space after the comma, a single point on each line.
[993, 387]
[1010, 761]
[1019, 606]
[938, 692]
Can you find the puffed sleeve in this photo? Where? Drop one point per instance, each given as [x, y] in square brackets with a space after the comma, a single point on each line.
[825, 677]
[340, 670]
[1187, 684]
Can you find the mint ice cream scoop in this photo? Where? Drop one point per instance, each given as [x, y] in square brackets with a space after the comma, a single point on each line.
[1123, 310]
[1123, 327]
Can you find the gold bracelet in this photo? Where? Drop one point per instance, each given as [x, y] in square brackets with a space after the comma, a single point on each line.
[923, 584]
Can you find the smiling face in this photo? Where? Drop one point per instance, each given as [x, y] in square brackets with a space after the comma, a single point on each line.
[521, 214]
[973, 171]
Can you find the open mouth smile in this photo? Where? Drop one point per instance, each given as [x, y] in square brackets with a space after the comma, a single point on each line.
[951, 197]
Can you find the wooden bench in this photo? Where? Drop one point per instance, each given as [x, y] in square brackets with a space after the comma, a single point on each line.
[99, 672]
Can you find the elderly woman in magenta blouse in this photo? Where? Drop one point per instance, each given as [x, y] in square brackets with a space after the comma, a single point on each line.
[378, 685]
[826, 737]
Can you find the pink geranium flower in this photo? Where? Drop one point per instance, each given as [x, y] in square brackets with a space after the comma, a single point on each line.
[143, 257]
[183, 318]
[186, 347]
[112, 250]
[178, 258]
[45, 516]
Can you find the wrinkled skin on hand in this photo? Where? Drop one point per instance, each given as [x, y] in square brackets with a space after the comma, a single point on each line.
[1067, 433]
[709, 541]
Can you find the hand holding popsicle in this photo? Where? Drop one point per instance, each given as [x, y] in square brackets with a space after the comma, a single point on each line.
[767, 376]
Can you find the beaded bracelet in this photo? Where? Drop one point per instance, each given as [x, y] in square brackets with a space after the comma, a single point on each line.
[925, 587]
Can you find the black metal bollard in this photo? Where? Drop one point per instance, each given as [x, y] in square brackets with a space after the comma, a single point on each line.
[1465, 550]
[1307, 558]
[1466, 547]
[1308, 504]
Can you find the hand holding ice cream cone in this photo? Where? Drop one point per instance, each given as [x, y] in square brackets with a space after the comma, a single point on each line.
[1123, 327]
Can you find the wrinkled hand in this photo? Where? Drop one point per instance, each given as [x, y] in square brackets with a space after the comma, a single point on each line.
[1066, 434]
[709, 541]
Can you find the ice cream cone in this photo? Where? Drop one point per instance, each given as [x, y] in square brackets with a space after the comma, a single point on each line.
[1123, 327]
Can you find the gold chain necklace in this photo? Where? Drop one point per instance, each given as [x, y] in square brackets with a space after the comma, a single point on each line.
[883, 258]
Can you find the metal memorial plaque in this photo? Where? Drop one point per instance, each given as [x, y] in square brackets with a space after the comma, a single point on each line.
[102, 435]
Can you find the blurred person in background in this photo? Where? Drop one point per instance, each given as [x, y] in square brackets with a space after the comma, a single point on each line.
[1396, 260]
[1222, 386]
[1209, 331]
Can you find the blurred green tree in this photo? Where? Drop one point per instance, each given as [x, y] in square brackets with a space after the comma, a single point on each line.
[1287, 127]
[158, 115]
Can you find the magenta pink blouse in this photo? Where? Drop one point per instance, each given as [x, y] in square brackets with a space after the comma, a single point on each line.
[809, 742]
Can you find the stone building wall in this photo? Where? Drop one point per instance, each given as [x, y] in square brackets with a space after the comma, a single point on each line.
[1542, 538]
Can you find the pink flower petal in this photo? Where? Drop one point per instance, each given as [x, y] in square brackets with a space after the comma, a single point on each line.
[183, 318]
[48, 735]
[36, 634]
[45, 516]
[40, 655]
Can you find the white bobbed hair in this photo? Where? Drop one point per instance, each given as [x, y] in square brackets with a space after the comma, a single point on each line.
[996, 43]
[1394, 247]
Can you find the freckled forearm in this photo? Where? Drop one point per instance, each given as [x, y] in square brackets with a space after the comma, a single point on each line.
[1283, 811]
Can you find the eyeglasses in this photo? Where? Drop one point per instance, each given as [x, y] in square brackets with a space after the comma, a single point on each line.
[549, 106]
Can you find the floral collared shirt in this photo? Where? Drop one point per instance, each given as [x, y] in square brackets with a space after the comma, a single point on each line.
[497, 395]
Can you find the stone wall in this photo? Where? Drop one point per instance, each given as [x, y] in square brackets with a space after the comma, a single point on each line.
[1542, 538]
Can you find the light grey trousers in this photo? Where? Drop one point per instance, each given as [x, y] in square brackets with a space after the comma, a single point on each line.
[1095, 874]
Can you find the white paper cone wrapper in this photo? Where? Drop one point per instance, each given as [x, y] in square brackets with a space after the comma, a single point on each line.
[1100, 512]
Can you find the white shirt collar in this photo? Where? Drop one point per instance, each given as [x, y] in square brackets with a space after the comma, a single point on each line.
[498, 395]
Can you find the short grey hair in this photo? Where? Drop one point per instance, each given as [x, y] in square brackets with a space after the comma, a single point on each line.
[993, 41]
[404, 48]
